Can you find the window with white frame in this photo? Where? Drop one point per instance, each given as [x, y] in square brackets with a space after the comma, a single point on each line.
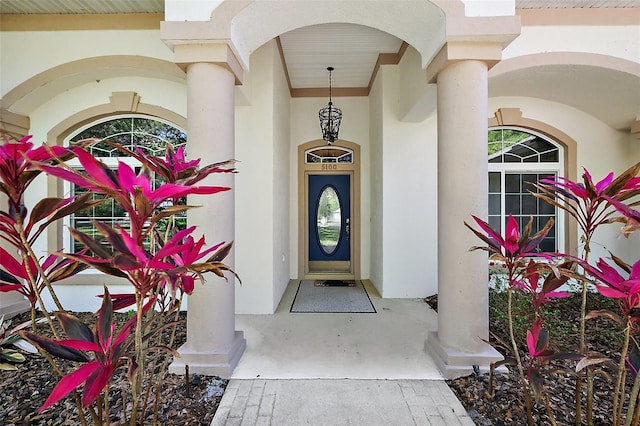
[134, 133]
[517, 159]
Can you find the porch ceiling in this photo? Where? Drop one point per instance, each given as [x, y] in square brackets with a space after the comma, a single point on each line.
[353, 50]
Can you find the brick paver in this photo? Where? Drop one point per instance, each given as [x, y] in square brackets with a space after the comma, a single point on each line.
[340, 402]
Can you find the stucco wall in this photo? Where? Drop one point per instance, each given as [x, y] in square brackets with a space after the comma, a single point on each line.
[26, 54]
[410, 198]
[281, 182]
[376, 126]
[254, 189]
[618, 41]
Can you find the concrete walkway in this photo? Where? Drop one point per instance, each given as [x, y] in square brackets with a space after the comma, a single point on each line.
[340, 402]
[339, 369]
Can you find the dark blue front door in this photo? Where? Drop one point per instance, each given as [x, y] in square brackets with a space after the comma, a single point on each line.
[329, 217]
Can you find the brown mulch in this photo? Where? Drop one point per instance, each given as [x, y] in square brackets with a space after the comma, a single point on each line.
[24, 391]
[506, 405]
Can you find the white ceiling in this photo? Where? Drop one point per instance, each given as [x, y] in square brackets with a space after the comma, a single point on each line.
[353, 51]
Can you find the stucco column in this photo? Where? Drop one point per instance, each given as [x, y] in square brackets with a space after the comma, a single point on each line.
[462, 191]
[213, 345]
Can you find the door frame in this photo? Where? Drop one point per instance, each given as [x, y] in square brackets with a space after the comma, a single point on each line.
[304, 170]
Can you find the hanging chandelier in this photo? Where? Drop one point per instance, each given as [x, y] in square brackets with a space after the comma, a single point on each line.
[330, 118]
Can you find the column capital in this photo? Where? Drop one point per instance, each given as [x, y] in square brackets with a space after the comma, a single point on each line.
[219, 53]
[474, 38]
[456, 51]
[15, 125]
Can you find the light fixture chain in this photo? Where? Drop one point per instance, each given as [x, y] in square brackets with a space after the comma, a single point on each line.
[330, 116]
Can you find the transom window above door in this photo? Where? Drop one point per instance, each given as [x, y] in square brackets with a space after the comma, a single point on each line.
[328, 154]
[517, 159]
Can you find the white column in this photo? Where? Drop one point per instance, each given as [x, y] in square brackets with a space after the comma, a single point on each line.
[462, 191]
[213, 345]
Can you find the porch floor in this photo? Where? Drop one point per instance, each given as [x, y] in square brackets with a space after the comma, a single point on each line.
[388, 344]
[338, 369]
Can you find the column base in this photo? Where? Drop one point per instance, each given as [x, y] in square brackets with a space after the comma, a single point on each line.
[220, 362]
[13, 308]
[454, 364]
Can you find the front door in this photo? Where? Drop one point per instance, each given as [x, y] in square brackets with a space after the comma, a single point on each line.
[329, 223]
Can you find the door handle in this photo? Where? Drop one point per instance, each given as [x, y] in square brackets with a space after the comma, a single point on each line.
[347, 230]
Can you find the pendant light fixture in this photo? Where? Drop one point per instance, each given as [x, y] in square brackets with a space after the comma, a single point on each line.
[330, 118]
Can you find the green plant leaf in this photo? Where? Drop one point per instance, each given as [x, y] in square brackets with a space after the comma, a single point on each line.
[7, 367]
[12, 355]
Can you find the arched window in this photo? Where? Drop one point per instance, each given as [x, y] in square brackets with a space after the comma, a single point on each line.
[517, 159]
[133, 132]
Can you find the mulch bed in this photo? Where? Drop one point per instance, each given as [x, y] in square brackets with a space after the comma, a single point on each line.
[506, 406]
[24, 391]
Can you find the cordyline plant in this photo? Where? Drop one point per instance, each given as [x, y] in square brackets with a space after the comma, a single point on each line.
[21, 227]
[160, 266]
[516, 252]
[624, 288]
[590, 205]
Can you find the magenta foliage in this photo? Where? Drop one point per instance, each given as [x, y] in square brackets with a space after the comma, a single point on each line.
[589, 202]
[538, 341]
[110, 351]
[174, 167]
[611, 283]
[176, 263]
[134, 193]
[514, 247]
[15, 274]
[16, 170]
[632, 216]
[541, 294]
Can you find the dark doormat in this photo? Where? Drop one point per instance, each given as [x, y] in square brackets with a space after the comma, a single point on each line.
[334, 283]
[331, 299]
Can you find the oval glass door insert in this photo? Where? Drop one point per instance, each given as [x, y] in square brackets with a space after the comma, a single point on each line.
[329, 220]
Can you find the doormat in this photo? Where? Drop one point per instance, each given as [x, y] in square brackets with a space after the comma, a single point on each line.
[334, 283]
[331, 299]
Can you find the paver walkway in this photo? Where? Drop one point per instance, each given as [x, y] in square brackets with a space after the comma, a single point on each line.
[340, 402]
